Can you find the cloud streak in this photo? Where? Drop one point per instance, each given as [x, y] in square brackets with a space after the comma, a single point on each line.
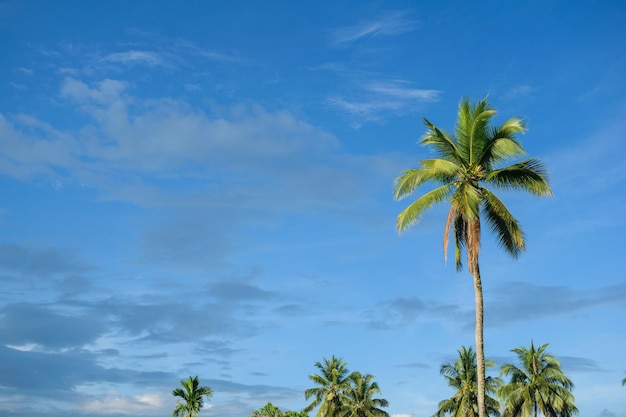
[391, 23]
[377, 100]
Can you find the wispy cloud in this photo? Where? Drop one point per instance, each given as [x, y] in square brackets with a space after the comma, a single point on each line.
[401, 90]
[519, 91]
[391, 23]
[135, 57]
[115, 403]
[376, 100]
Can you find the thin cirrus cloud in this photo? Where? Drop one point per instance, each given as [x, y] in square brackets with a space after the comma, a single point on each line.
[378, 99]
[393, 23]
[136, 57]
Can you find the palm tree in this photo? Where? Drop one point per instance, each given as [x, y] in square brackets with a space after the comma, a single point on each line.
[538, 384]
[358, 401]
[268, 410]
[468, 160]
[192, 397]
[461, 376]
[332, 379]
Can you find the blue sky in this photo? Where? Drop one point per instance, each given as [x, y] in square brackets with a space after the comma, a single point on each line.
[205, 188]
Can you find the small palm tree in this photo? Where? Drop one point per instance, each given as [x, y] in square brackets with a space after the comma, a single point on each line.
[191, 397]
[538, 384]
[332, 380]
[268, 410]
[462, 376]
[467, 162]
[358, 401]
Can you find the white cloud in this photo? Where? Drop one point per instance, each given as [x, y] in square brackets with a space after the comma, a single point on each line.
[380, 99]
[135, 57]
[114, 403]
[125, 140]
[399, 90]
[26, 71]
[105, 91]
[393, 23]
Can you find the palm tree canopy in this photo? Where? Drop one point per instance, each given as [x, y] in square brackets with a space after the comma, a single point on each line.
[468, 161]
[358, 400]
[332, 380]
[537, 384]
[462, 376]
[191, 397]
[268, 410]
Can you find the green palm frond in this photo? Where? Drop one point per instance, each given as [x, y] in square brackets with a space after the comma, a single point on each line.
[471, 130]
[529, 175]
[439, 171]
[412, 214]
[466, 201]
[502, 144]
[503, 224]
[443, 144]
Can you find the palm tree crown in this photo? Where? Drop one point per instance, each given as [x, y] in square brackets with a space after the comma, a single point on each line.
[358, 401]
[538, 384]
[191, 397]
[467, 162]
[462, 376]
[332, 380]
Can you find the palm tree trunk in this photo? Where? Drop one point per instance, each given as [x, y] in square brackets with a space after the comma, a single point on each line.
[480, 347]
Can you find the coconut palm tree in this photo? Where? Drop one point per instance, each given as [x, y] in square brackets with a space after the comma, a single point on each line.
[358, 401]
[467, 161]
[191, 397]
[538, 384]
[268, 410]
[461, 376]
[332, 380]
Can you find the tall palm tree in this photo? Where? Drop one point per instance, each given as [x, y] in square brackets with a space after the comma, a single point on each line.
[538, 384]
[461, 376]
[468, 160]
[358, 401]
[191, 397]
[332, 380]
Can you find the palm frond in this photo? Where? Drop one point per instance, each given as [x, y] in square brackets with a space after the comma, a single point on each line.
[460, 240]
[440, 171]
[503, 224]
[412, 214]
[529, 175]
[502, 143]
[472, 133]
[446, 232]
[443, 144]
[466, 200]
